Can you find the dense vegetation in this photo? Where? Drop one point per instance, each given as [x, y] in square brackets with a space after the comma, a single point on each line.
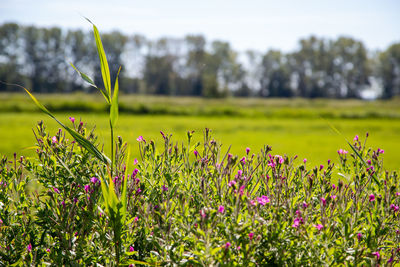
[340, 68]
[189, 203]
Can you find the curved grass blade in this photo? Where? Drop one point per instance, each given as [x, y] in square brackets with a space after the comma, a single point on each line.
[105, 71]
[114, 103]
[79, 138]
[90, 81]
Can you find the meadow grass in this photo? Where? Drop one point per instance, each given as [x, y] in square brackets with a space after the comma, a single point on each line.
[310, 138]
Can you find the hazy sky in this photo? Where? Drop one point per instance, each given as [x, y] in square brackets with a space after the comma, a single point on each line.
[251, 24]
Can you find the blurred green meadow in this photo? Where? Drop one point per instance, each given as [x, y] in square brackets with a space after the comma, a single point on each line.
[291, 126]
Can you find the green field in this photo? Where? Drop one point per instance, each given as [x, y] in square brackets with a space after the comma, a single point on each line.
[292, 127]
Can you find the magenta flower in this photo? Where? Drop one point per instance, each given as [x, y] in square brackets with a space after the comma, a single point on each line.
[253, 202]
[323, 200]
[380, 151]
[369, 162]
[196, 153]
[136, 219]
[164, 188]
[47, 250]
[376, 254]
[56, 190]
[232, 183]
[95, 180]
[397, 193]
[355, 138]
[227, 245]
[263, 200]
[135, 161]
[297, 221]
[251, 235]
[371, 197]
[304, 161]
[243, 160]
[240, 173]
[131, 249]
[359, 236]
[72, 119]
[54, 140]
[29, 247]
[140, 139]
[342, 152]
[203, 214]
[319, 226]
[333, 197]
[321, 167]
[247, 150]
[134, 173]
[395, 208]
[305, 205]
[87, 188]
[221, 209]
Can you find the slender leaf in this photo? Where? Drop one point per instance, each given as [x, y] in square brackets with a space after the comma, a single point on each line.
[79, 138]
[90, 81]
[105, 71]
[114, 103]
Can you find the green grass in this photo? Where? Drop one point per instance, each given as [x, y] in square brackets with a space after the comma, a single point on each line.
[295, 134]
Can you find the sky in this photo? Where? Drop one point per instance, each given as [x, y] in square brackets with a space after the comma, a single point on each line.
[252, 24]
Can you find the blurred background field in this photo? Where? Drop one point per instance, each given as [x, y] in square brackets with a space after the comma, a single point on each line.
[293, 127]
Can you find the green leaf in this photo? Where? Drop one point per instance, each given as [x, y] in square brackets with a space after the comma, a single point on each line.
[105, 71]
[114, 103]
[90, 81]
[79, 138]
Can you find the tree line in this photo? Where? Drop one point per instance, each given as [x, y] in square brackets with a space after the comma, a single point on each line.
[192, 66]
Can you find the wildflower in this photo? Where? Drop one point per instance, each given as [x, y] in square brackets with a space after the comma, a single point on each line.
[136, 219]
[359, 236]
[247, 150]
[333, 186]
[138, 191]
[29, 247]
[162, 133]
[56, 190]
[196, 153]
[398, 194]
[253, 202]
[297, 222]
[87, 188]
[240, 172]
[263, 200]
[229, 156]
[376, 254]
[369, 162]
[238, 248]
[390, 260]
[221, 209]
[304, 161]
[232, 183]
[227, 245]
[280, 159]
[333, 197]
[243, 160]
[72, 119]
[241, 190]
[135, 161]
[305, 205]
[321, 167]
[323, 200]
[54, 139]
[134, 173]
[131, 249]
[164, 188]
[47, 250]
[203, 214]
[140, 139]
[1, 221]
[380, 151]
[355, 138]
[95, 180]
[342, 152]
[319, 226]
[371, 197]
[395, 208]
[251, 235]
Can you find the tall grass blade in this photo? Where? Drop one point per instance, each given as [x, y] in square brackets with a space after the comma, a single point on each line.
[114, 103]
[79, 138]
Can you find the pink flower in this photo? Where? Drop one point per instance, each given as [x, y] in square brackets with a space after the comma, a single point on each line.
[136, 219]
[376, 254]
[203, 214]
[164, 188]
[196, 153]
[227, 245]
[54, 140]
[95, 180]
[251, 235]
[305, 205]
[304, 161]
[87, 188]
[333, 186]
[297, 222]
[319, 226]
[333, 197]
[369, 162]
[243, 160]
[263, 200]
[280, 159]
[380, 151]
[321, 167]
[29, 247]
[47, 250]
[135, 161]
[56, 190]
[323, 200]
[72, 119]
[359, 236]
[355, 138]
[247, 150]
[221, 209]
[253, 202]
[131, 249]
[395, 208]
[371, 197]
[140, 139]
[342, 152]
[397, 193]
